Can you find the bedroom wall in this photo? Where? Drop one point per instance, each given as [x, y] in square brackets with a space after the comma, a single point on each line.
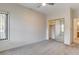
[26, 26]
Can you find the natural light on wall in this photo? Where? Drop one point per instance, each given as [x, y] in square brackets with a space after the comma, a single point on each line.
[78, 23]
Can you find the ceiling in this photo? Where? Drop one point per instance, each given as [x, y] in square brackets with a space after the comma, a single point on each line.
[48, 9]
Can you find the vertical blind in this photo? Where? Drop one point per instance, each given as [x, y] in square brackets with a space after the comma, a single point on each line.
[3, 24]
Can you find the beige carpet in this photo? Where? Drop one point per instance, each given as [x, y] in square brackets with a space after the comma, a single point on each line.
[50, 47]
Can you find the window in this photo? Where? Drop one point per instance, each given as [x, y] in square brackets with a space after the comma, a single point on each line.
[62, 25]
[3, 26]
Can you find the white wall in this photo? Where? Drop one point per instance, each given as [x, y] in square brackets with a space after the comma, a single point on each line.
[26, 26]
[63, 12]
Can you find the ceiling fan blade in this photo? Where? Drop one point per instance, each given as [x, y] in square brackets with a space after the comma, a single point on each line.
[39, 6]
[46, 4]
[50, 3]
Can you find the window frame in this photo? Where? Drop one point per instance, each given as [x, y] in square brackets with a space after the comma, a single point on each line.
[6, 25]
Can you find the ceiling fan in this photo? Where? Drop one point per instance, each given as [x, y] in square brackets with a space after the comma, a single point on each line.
[44, 4]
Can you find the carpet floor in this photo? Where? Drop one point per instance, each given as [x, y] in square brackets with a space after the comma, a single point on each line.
[47, 47]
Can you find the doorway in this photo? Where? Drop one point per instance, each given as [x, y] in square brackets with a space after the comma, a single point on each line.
[51, 31]
[56, 30]
[76, 30]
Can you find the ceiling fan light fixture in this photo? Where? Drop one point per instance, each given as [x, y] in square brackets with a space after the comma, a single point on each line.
[43, 4]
